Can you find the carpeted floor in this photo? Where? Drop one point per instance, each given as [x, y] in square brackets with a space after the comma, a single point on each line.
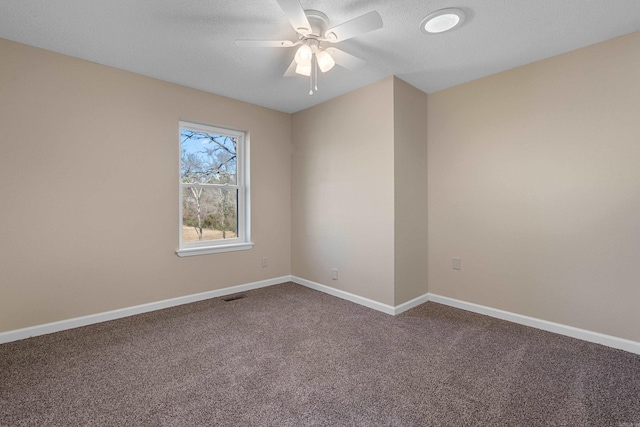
[290, 356]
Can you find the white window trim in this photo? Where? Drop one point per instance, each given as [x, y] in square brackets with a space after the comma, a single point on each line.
[243, 240]
[205, 250]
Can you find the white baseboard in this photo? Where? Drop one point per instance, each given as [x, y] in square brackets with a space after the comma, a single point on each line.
[411, 304]
[344, 295]
[385, 308]
[33, 331]
[570, 331]
[582, 334]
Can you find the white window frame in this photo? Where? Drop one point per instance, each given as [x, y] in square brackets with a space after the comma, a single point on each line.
[242, 241]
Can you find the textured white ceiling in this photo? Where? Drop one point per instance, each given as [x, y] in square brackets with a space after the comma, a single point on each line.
[191, 42]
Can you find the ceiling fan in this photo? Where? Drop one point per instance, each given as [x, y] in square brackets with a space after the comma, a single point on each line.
[314, 34]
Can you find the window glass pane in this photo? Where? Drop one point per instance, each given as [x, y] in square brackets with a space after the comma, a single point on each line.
[207, 157]
[209, 214]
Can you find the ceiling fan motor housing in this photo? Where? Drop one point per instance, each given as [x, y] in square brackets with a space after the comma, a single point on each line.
[319, 23]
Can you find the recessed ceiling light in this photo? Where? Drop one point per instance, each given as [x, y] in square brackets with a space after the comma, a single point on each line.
[442, 20]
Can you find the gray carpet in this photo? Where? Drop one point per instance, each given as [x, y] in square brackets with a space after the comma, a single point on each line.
[290, 356]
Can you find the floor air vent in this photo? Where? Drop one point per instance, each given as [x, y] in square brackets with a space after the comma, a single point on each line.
[233, 297]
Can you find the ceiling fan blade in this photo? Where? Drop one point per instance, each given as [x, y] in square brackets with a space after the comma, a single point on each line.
[345, 59]
[264, 43]
[295, 14]
[291, 71]
[357, 26]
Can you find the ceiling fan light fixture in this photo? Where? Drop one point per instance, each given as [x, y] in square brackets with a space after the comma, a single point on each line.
[304, 70]
[303, 55]
[442, 20]
[325, 61]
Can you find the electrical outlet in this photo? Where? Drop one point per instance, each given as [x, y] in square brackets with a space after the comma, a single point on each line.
[265, 262]
[457, 264]
[334, 274]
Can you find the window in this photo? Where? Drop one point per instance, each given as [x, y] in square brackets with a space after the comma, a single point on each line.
[213, 190]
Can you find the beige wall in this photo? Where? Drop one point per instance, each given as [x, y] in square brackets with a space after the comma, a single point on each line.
[410, 191]
[89, 189]
[534, 181]
[342, 191]
[359, 192]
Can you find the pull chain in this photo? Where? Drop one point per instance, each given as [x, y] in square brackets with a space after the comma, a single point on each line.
[315, 70]
[313, 76]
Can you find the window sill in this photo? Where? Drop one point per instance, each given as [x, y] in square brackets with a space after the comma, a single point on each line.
[205, 250]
